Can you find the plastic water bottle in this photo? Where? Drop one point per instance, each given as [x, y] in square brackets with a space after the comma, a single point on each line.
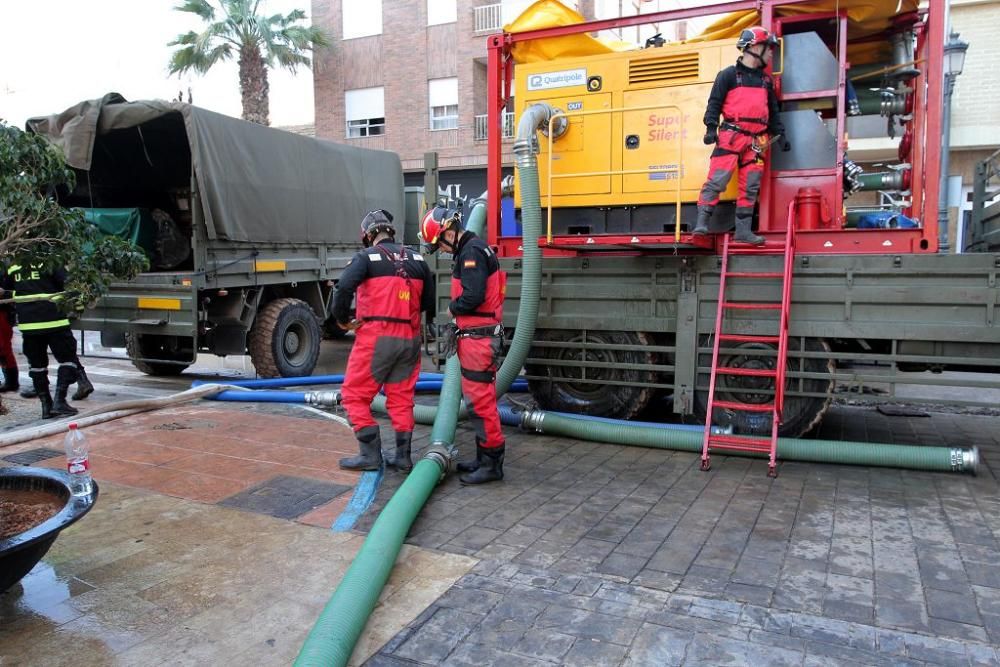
[78, 461]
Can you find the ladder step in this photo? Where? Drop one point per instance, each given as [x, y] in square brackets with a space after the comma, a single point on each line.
[771, 248]
[754, 274]
[747, 305]
[740, 443]
[748, 338]
[744, 407]
[750, 372]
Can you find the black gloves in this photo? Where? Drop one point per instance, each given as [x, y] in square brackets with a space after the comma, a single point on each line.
[711, 135]
[785, 146]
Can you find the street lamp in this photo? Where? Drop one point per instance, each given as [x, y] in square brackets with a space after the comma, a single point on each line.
[954, 61]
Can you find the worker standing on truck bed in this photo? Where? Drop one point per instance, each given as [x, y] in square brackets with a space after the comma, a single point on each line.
[393, 285]
[478, 289]
[43, 327]
[743, 94]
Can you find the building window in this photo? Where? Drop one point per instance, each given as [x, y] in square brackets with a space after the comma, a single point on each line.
[365, 112]
[443, 96]
[361, 18]
[441, 11]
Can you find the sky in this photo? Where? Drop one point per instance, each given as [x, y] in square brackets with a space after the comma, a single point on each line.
[55, 53]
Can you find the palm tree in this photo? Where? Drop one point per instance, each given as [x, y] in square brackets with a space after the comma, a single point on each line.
[260, 41]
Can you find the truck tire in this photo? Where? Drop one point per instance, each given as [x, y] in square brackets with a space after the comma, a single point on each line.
[149, 346]
[557, 390]
[801, 414]
[284, 340]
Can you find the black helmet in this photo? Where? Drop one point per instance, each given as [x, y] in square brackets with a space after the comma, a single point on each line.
[379, 220]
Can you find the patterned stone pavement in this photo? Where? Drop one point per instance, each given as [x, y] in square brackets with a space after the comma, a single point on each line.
[596, 554]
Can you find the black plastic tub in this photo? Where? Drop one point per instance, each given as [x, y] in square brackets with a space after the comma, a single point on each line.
[19, 553]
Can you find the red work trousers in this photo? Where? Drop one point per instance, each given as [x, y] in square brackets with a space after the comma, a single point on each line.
[7, 359]
[477, 356]
[740, 157]
[387, 355]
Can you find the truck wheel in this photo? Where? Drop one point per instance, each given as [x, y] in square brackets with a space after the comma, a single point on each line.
[150, 346]
[284, 340]
[559, 387]
[801, 413]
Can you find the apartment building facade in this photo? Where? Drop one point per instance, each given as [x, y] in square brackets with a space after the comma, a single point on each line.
[409, 76]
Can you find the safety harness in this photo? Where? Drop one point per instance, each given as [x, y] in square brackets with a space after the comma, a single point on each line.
[400, 268]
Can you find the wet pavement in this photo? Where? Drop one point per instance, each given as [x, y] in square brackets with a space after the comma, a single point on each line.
[587, 554]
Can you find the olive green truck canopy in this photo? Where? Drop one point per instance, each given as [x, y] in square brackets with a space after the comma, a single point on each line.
[255, 184]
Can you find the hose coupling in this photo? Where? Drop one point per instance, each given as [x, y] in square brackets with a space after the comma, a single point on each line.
[326, 399]
[532, 419]
[443, 454]
[965, 460]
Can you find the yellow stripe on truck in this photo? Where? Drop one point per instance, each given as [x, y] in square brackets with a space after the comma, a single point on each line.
[159, 304]
[269, 265]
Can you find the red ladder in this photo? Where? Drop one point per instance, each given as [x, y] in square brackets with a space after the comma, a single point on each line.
[743, 443]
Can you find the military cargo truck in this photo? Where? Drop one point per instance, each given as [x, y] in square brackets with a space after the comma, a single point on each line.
[247, 229]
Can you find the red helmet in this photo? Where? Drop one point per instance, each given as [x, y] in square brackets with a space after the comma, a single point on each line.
[436, 221]
[755, 35]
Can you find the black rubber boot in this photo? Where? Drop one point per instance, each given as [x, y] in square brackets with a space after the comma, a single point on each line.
[704, 215]
[401, 461]
[472, 465]
[66, 377]
[370, 444]
[28, 392]
[490, 469]
[10, 381]
[743, 233]
[83, 386]
[40, 380]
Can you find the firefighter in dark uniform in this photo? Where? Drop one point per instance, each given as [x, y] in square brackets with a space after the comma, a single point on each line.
[478, 288]
[743, 94]
[44, 327]
[393, 285]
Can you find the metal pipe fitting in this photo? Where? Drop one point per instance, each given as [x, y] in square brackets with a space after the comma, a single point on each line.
[532, 419]
[883, 180]
[443, 455]
[534, 117]
[326, 399]
[965, 460]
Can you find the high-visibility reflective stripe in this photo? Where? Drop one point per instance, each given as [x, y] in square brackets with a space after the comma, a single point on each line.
[38, 326]
[55, 296]
[269, 265]
[159, 304]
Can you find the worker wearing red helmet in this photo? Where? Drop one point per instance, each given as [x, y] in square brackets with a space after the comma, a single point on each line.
[393, 285]
[743, 96]
[478, 287]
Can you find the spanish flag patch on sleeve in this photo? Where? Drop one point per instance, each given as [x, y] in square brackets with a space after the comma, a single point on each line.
[469, 264]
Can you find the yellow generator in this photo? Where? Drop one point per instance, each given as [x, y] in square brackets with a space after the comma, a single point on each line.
[627, 145]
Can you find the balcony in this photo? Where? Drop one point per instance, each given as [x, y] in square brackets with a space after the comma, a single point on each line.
[481, 127]
[487, 19]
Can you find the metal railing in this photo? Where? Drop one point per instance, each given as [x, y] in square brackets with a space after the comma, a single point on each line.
[666, 169]
[487, 19]
[481, 127]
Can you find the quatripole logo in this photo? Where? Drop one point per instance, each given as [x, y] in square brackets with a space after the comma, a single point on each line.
[561, 79]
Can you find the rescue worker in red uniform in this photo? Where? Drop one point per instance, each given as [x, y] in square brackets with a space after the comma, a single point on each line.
[8, 363]
[743, 95]
[478, 288]
[393, 285]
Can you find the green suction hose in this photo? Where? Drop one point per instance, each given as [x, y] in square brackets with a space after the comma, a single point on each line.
[941, 459]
